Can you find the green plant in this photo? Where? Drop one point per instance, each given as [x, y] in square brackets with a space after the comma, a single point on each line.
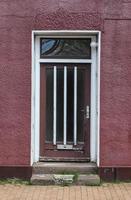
[14, 181]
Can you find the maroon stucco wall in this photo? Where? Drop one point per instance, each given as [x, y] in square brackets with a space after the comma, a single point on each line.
[116, 94]
[17, 20]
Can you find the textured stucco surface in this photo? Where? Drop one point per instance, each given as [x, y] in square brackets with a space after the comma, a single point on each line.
[17, 20]
[116, 94]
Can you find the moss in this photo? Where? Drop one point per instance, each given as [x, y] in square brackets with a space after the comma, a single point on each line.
[75, 178]
[14, 181]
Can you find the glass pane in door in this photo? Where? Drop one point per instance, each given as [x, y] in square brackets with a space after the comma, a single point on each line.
[60, 104]
[49, 104]
[70, 104]
[80, 104]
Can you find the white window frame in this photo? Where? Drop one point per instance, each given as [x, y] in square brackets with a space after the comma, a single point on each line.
[95, 87]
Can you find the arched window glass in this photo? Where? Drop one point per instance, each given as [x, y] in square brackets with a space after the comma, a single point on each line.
[65, 48]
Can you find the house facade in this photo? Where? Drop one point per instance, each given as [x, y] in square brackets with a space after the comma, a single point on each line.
[65, 69]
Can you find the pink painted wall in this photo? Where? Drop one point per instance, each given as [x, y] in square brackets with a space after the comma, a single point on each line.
[17, 20]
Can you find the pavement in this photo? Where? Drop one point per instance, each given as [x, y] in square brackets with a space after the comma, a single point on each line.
[107, 191]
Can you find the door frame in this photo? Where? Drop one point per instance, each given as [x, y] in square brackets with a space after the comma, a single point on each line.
[95, 87]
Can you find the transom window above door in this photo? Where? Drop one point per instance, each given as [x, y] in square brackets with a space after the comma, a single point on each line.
[65, 48]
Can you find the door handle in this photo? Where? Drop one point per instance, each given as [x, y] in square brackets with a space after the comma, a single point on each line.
[87, 112]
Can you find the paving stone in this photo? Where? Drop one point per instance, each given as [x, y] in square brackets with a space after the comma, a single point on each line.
[88, 179]
[109, 191]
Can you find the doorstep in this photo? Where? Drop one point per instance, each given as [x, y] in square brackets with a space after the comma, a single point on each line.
[65, 173]
[66, 179]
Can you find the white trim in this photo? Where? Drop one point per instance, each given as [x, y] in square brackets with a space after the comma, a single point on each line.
[65, 105]
[66, 33]
[93, 104]
[32, 100]
[54, 105]
[35, 103]
[65, 60]
[75, 105]
[98, 98]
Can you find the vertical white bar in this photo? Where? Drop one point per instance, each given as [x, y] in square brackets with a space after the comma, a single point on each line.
[32, 99]
[37, 101]
[65, 105]
[93, 148]
[98, 98]
[75, 105]
[54, 105]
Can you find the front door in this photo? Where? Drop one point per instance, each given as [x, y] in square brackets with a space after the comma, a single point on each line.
[64, 111]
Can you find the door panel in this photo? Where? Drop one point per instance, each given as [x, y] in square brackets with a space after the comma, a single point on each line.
[64, 103]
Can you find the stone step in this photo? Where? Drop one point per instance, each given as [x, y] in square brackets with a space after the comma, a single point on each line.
[64, 167]
[60, 179]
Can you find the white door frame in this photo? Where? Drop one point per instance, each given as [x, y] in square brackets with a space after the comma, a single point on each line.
[95, 87]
